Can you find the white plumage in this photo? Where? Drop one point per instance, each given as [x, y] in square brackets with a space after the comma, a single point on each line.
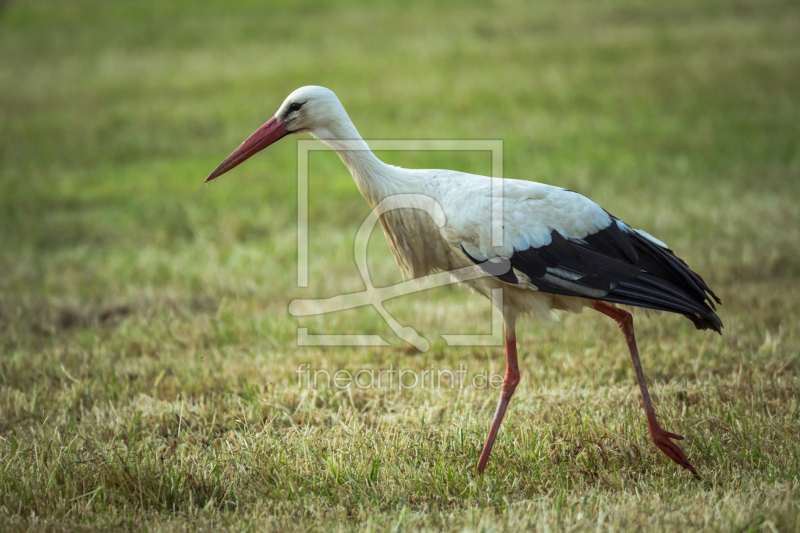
[559, 249]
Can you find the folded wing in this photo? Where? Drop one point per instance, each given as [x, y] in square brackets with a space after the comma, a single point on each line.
[615, 264]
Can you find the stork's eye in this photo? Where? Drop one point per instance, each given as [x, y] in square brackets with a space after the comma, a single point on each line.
[295, 106]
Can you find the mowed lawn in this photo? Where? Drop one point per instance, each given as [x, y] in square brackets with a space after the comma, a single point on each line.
[149, 364]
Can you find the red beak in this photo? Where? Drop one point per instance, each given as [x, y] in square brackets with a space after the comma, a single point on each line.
[263, 137]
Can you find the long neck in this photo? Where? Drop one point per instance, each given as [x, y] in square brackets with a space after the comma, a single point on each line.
[413, 239]
[374, 178]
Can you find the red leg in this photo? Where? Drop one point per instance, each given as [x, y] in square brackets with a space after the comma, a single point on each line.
[657, 435]
[509, 384]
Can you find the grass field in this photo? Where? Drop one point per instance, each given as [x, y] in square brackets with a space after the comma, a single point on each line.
[148, 375]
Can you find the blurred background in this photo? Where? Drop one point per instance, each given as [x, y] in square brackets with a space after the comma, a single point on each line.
[681, 119]
[122, 274]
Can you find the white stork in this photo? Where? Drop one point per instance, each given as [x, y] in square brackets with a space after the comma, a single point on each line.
[561, 250]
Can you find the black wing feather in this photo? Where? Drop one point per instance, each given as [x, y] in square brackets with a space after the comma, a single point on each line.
[617, 265]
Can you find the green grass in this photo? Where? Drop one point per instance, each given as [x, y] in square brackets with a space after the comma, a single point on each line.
[148, 371]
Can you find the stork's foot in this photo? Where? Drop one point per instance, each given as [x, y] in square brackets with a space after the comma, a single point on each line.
[661, 439]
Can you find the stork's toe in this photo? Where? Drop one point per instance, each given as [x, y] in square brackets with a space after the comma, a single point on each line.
[661, 439]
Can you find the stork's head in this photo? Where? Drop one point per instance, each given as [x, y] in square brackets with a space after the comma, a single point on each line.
[308, 109]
